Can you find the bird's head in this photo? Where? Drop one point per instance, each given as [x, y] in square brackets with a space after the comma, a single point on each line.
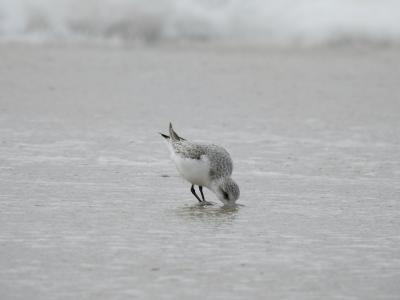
[227, 191]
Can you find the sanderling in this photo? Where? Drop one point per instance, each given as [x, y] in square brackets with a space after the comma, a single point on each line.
[204, 165]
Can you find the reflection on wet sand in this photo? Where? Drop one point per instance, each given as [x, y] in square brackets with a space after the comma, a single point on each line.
[218, 215]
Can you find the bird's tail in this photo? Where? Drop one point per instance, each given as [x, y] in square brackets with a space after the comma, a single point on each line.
[173, 135]
[164, 136]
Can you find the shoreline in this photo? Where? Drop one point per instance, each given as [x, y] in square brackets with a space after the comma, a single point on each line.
[87, 210]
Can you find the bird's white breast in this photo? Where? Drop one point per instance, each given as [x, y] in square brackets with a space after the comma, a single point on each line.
[196, 171]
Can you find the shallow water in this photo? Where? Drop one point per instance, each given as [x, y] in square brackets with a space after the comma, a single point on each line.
[92, 207]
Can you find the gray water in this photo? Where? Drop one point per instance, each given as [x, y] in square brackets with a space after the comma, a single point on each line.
[91, 207]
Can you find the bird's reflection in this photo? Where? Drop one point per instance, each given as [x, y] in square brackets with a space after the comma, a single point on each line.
[210, 212]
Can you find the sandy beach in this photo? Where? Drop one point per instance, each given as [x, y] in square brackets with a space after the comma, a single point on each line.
[91, 207]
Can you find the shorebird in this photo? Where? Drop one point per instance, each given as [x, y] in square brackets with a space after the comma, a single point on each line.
[204, 165]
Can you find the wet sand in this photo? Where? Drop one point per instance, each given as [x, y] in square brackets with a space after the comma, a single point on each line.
[91, 207]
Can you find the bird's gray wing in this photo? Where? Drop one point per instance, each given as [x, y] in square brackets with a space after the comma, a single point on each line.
[221, 164]
[189, 150]
[220, 161]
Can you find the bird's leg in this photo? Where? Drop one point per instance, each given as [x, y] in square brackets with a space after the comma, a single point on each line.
[201, 192]
[194, 193]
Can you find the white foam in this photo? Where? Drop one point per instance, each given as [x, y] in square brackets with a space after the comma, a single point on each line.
[273, 21]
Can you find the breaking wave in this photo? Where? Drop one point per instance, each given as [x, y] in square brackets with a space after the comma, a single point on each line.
[268, 21]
